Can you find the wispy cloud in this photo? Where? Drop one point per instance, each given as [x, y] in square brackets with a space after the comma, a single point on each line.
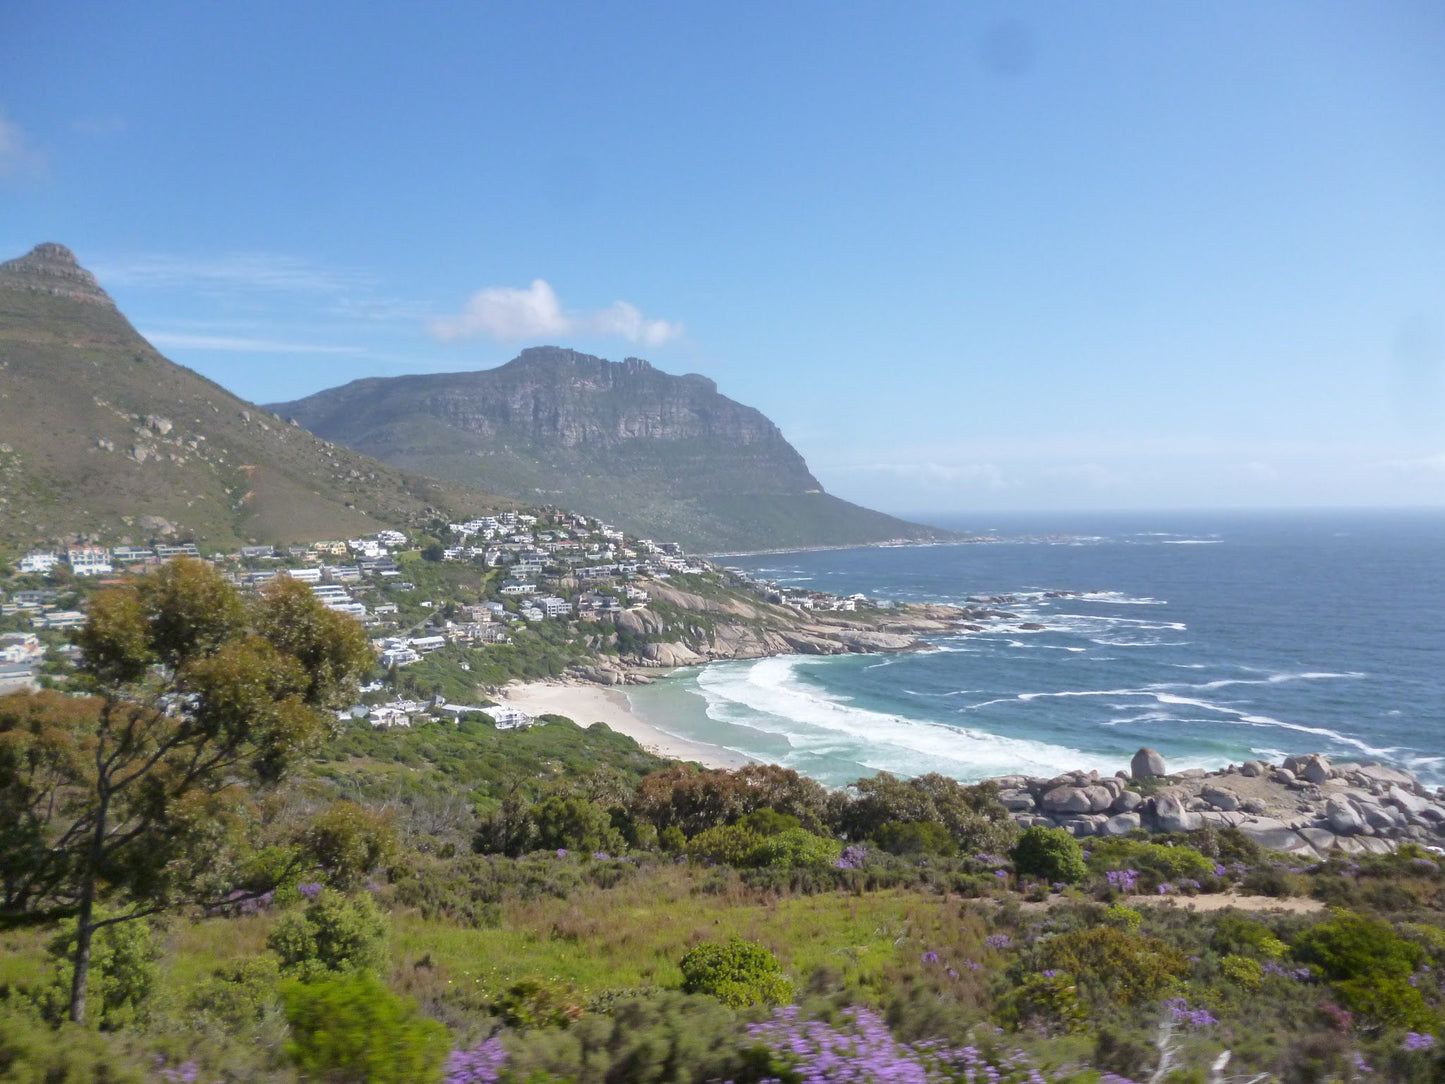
[19, 158]
[1429, 464]
[241, 271]
[241, 345]
[507, 314]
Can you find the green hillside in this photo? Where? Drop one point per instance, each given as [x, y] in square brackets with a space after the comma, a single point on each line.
[102, 436]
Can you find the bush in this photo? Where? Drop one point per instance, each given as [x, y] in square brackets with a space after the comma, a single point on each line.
[737, 973]
[1350, 946]
[915, 837]
[241, 993]
[1127, 967]
[724, 845]
[575, 824]
[1049, 853]
[795, 848]
[353, 1028]
[658, 1037]
[538, 1003]
[123, 973]
[334, 934]
[1370, 966]
[31, 1051]
[1168, 863]
[1244, 937]
[349, 842]
[1243, 972]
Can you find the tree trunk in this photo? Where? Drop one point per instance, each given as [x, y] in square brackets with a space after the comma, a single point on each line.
[85, 915]
[84, 932]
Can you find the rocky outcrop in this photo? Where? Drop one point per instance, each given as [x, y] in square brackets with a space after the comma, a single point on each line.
[53, 269]
[1305, 806]
[661, 455]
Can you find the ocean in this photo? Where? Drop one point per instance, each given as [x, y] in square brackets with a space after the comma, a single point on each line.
[1212, 638]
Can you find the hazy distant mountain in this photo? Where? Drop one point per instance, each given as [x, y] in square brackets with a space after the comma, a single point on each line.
[101, 435]
[662, 455]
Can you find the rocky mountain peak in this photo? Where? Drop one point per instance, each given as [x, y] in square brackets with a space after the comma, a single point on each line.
[53, 269]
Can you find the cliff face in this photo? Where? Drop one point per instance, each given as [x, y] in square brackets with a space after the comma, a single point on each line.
[659, 454]
[101, 436]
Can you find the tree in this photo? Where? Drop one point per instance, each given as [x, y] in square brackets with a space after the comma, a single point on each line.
[142, 795]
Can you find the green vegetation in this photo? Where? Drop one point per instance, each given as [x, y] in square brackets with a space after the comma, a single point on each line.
[556, 904]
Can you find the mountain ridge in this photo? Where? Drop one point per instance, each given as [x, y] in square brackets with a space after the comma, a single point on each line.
[654, 452]
[103, 437]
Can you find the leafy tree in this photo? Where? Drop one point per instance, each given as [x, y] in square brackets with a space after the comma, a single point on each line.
[576, 824]
[353, 1028]
[144, 794]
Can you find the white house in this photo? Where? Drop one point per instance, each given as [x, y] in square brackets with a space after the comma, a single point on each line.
[385, 717]
[519, 589]
[38, 563]
[90, 560]
[509, 718]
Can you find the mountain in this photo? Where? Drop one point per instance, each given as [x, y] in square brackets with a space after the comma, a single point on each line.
[101, 436]
[661, 455]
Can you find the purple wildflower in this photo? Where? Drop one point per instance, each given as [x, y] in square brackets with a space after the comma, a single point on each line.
[561, 852]
[601, 856]
[1220, 870]
[998, 941]
[1001, 874]
[930, 957]
[1415, 1040]
[482, 1064]
[311, 889]
[1049, 973]
[1123, 879]
[852, 858]
[1197, 1018]
[1165, 888]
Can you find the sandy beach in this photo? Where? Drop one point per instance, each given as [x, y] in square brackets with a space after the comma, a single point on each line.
[588, 704]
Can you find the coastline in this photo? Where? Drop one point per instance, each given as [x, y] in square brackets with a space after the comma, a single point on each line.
[586, 703]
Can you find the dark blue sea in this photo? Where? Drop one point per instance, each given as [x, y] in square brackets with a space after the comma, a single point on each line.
[1212, 638]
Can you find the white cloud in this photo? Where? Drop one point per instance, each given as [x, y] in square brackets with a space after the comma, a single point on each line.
[18, 157]
[505, 313]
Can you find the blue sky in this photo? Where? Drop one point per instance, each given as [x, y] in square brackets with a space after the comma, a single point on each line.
[967, 256]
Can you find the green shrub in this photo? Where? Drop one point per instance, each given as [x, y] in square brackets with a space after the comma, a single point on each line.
[1242, 971]
[657, 1037]
[240, 994]
[123, 973]
[769, 822]
[1167, 863]
[1122, 916]
[915, 837]
[348, 841]
[1051, 1001]
[333, 933]
[1245, 937]
[539, 1003]
[1369, 966]
[1050, 854]
[352, 1028]
[575, 824]
[736, 972]
[724, 845]
[1351, 946]
[795, 848]
[32, 1051]
[1127, 967]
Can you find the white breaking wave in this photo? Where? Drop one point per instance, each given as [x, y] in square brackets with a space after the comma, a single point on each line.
[768, 696]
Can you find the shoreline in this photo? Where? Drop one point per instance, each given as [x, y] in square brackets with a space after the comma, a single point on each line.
[586, 703]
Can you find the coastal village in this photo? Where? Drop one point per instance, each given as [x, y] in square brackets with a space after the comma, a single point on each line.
[534, 569]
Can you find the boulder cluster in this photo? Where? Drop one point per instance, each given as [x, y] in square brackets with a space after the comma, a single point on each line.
[1304, 806]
